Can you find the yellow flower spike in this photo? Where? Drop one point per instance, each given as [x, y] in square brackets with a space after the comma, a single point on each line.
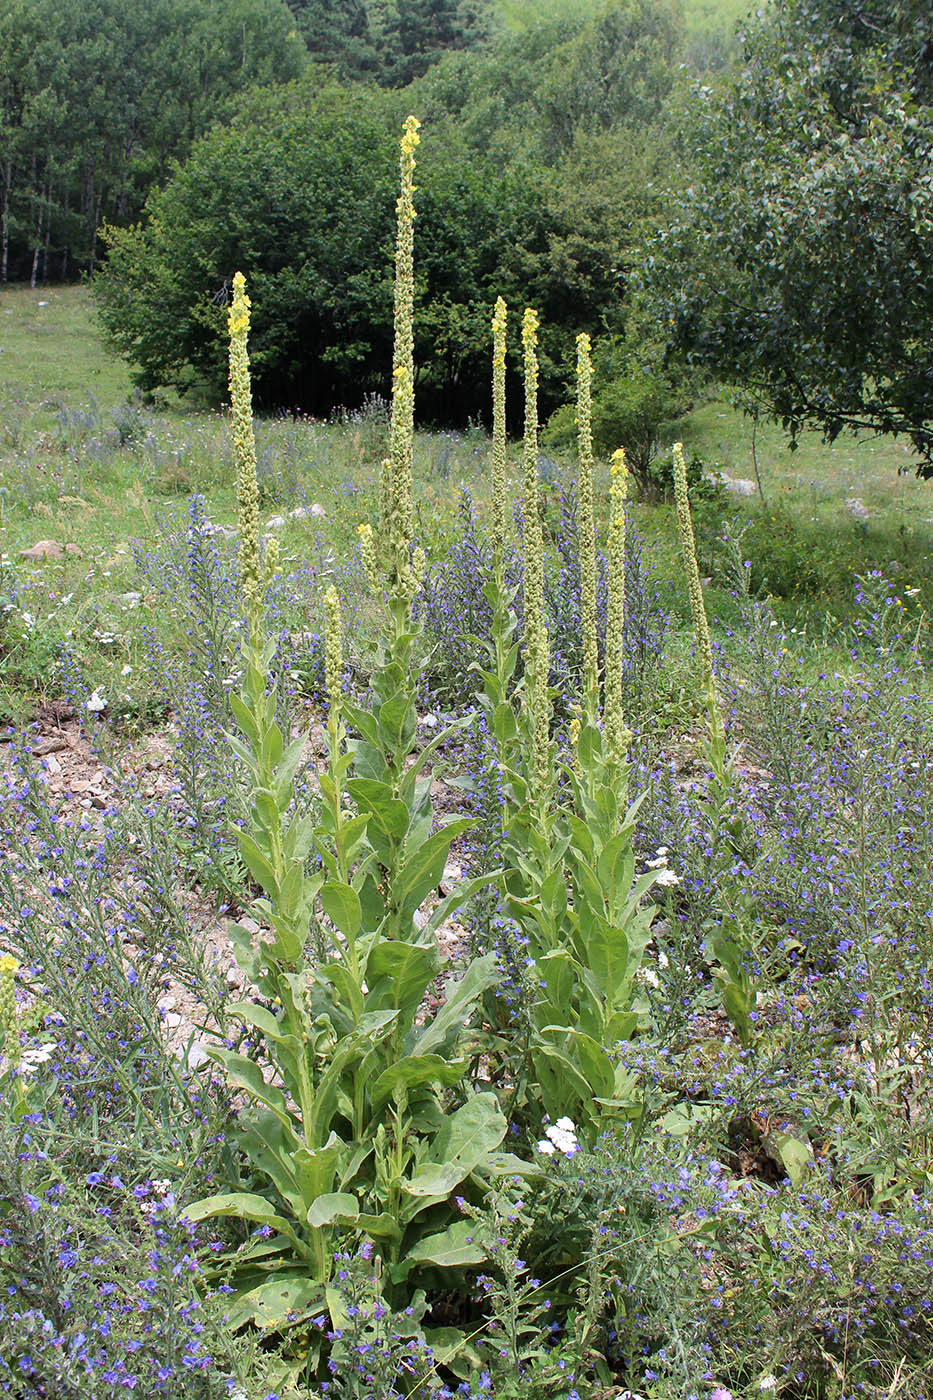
[368, 555]
[695, 588]
[499, 516]
[402, 429]
[537, 654]
[541, 702]
[244, 445]
[586, 531]
[618, 735]
[9, 1036]
[533, 548]
[333, 650]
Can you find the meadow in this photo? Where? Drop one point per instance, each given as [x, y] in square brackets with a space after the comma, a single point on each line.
[483, 953]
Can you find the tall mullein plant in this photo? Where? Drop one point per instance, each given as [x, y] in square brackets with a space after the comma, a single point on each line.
[500, 647]
[349, 1127]
[537, 698]
[586, 530]
[732, 941]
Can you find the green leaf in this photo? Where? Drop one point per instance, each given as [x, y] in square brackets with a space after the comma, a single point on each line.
[245, 719]
[398, 720]
[796, 1157]
[260, 1017]
[258, 864]
[413, 1071]
[274, 1304]
[389, 813]
[398, 975]
[341, 904]
[316, 1168]
[455, 1247]
[248, 1076]
[271, 1146]
[460, 998]
[337, 1207]
[424, 867]
[463, 1142]
[607, 956]
[245, 1205]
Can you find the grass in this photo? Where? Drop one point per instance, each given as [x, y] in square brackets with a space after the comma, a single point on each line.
[701, 17]
[50, 349]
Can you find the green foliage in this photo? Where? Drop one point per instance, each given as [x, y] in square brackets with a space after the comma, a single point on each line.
[635, 400]
[797, 262]
[389, 41]
[318, 264]
[98, 99]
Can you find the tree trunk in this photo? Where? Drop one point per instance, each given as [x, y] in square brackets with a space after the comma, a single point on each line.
[5, 218]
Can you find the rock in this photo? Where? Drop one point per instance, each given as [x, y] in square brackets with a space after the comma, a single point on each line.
[132, 600]
[315, 512]
[196, 1055]
[739, 485]
[451, 878]
[52, 764]
[275, 522]
[48, 549]
[858, 509]
[233, 978]
[51, 745]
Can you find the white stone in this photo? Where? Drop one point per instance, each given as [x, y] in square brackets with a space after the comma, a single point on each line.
[275, 522]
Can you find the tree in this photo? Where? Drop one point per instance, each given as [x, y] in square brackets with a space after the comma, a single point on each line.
[99, 97]
[799, 262]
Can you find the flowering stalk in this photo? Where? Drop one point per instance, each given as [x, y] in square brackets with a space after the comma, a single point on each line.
[697, 605]
[531, 522]
[9, 1035]
[537, 657]
[499, 515]
[586, 529]
[618, 734]
[403, 364]
[244, 446]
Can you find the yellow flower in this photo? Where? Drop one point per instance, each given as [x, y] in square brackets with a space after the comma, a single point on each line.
[499, 514]
[586, 530]
[244, 446]
[402, 430]
[618, 735]
[333, 649]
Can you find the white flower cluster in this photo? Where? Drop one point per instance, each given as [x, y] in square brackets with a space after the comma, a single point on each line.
[35, 1055]
[559, 1137]
[664, 876]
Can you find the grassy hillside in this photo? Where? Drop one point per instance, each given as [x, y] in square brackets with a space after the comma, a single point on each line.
[701, 17]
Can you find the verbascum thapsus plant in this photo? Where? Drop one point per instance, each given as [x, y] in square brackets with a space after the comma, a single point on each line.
[531, 520]
[695, 590]
[585, 525]
[618, 735]
[244, 446]
[403, 363]
[499, 508]
[333, 650]
[537, 654]
[368, 554]
[9, 1035]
